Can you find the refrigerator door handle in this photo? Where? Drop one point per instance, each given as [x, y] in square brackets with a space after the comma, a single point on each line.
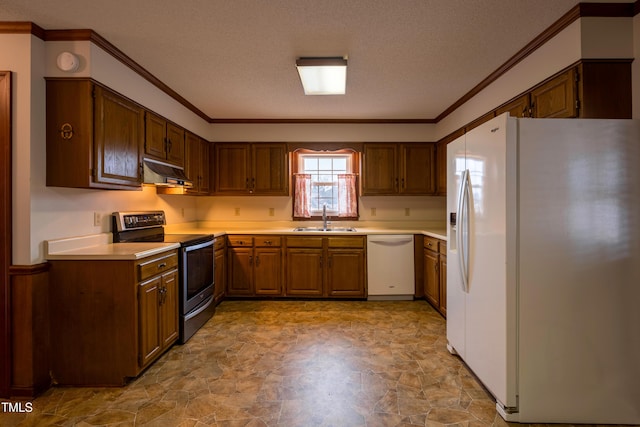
[463, 232]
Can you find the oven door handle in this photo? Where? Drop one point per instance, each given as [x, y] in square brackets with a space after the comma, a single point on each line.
[200, 310]
[190, 248]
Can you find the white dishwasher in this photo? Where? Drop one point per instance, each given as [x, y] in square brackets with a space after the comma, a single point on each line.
[390, 267]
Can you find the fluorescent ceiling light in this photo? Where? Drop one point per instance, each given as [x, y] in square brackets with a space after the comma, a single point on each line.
[323, 76]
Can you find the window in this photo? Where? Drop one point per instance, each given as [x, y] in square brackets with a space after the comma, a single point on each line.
[325, 179]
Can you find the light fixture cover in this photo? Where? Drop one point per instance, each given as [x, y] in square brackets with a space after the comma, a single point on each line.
[323, 76]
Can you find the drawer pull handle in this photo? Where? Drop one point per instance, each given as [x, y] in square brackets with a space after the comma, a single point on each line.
[163, 265]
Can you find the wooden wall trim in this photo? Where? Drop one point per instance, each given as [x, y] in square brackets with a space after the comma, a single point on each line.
[30, 342]
[5, 231]
[22, 28]
[580, 10]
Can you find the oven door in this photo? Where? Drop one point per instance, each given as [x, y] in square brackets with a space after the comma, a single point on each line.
[197, 275]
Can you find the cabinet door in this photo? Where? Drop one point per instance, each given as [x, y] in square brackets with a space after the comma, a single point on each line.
[219, 268]
[192, 158]
[417, 169]
[205, 181]
[155, 143]
[169, 309]
[148, 312]
[196, 165]
[345, 273]
[304, 272]
[270, 169]
[119, 132]
[240, 272]
[175, 144]
[232, 168]
[519, 107]
[379, 173]
[431, 278]
[443, 285]
[556, 98]
[268, 271]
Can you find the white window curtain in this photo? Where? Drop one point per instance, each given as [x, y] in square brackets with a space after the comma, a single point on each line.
[347, 199]
[302, 203]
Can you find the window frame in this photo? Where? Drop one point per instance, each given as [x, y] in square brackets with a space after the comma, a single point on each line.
[354, 165]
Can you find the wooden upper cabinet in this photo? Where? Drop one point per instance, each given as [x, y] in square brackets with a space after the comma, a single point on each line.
[94, 136]
[251, 168]
[519, 107]
[417, 169]
[270, 174]
[556, 98]
[392, 169]
[196, 165]
[595, 89]
[232, 167]
[117, 134]
[164, 140]
[379, 169]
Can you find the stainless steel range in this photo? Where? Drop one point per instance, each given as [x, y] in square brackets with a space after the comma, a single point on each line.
[195, 263]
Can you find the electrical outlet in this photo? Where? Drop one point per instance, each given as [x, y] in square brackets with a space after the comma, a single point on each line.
[182, 212]
[407, 211]
[97, 219]
[272, 211]
[373, 211]
[237, 212]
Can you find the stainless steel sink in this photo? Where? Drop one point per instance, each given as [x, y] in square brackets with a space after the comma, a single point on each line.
[334, 229]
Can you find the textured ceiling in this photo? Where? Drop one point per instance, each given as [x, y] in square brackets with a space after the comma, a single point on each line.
[408, 59]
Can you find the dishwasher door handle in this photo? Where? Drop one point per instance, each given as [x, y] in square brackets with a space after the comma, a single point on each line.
[392, 241]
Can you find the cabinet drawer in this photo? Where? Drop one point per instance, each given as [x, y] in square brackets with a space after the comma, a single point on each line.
[240, 240]
[219, 243]
[153, 266]
[267, 241]
[304, 242]
[346, 242]
[443, 247]
[431, 243]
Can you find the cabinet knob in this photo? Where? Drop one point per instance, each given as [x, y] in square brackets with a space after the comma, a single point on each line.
[162, 265]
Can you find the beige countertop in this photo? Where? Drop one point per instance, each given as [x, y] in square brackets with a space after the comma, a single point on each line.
[101, 246]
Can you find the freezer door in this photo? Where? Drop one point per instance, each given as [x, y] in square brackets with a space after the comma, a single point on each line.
[456, 165]
[489, 319]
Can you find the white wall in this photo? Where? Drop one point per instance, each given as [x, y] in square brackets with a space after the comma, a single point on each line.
[42, 213]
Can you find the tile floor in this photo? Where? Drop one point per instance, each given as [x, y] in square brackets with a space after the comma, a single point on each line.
[290, 363]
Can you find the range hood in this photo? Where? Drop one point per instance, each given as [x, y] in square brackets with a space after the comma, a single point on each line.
[164, 174]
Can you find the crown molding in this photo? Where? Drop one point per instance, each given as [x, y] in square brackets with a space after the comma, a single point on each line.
[579, 11]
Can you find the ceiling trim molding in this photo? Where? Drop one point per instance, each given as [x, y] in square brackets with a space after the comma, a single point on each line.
[579, 11]
[322, 121]
[22, 28]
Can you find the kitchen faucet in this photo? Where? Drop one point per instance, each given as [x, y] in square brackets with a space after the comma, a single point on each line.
[324, 217]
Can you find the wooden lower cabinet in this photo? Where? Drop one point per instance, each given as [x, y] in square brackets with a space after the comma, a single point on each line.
[219, 267]
[434, 275]
[304, 272]
[330, 267]
[158, 315]
[255, 266]
[442, 304]
[110, 319]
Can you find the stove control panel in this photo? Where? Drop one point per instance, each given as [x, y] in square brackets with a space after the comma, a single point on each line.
[137, 220]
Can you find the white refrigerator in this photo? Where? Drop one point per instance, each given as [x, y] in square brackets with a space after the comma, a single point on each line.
[543, 277]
